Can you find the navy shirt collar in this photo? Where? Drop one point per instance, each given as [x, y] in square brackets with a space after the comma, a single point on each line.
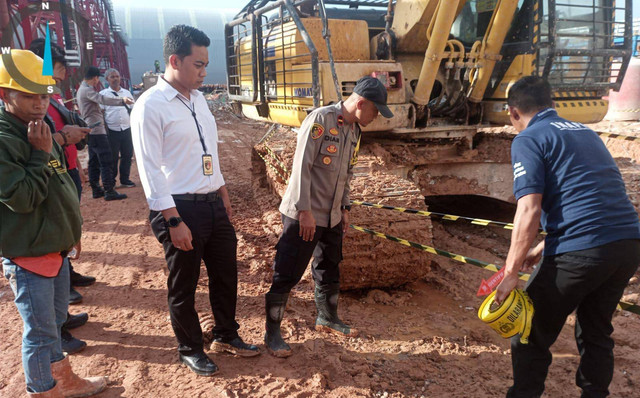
[543, 114]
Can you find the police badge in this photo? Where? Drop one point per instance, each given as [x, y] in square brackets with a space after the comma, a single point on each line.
[316, 131]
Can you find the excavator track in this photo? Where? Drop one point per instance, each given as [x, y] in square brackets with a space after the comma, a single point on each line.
[367, 262]
[399, 174]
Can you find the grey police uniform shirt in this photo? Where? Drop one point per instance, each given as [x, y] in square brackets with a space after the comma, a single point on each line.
[322, 167]
[89, 101]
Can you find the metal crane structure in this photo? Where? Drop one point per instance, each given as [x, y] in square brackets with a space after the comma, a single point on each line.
[85, 28]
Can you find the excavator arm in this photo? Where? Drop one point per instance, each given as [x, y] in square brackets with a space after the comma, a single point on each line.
[481, 60]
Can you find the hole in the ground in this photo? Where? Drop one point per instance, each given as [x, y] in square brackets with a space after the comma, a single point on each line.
[473, 206]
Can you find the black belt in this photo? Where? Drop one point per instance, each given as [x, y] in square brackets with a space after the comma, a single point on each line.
[198, 197]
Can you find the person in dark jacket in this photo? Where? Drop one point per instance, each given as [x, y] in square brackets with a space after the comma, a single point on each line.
[70, 132]
[565, 177]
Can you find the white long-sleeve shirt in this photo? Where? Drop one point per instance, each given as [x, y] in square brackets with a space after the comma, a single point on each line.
[167, 146]
[116, 117]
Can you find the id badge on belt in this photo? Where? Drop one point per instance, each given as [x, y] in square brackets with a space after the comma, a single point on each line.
[207, 165]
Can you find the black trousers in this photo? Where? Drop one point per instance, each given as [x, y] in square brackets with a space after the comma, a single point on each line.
[75, 176]
[122, 149]
[592, 282]
[293, 255]
[100, 162]
[215, 242]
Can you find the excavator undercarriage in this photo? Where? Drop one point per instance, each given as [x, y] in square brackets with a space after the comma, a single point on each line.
[447, 66]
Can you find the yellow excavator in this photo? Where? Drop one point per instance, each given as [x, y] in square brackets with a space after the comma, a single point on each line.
[438, 58]
[447, 66]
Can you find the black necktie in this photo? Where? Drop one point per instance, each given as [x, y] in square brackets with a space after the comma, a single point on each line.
[125, 105]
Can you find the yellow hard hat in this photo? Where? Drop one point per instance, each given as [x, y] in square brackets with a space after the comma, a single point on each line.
[511, 317]
[21, 70]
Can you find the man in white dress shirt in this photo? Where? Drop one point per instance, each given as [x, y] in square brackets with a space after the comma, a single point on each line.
[175, 141]
[119, 128]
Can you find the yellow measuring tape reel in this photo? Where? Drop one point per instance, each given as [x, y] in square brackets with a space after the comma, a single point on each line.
[511, 317]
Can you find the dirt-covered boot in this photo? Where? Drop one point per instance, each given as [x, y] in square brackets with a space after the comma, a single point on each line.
[275, 305]
[327, 304]
[72, 385]
[55, 392]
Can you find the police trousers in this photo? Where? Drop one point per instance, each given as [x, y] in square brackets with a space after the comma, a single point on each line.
[214, 242]
[293, 255]
[590, 282]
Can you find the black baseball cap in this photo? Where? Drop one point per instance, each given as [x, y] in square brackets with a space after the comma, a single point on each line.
[92, 72]
[372, 89]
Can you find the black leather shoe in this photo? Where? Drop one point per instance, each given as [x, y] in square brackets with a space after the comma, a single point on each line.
[200, 364]
[71, 345]
[81, 280]
[74, 296]
[97, 192]
[75, 321]
[114, 195]
[127, 184]
[235, 347]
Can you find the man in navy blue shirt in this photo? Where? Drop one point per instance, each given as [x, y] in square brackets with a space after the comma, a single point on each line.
[566, 179]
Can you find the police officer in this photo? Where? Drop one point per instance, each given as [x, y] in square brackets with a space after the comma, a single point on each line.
[315, 208]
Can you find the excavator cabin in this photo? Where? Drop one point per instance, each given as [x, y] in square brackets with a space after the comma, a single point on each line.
[445, 62]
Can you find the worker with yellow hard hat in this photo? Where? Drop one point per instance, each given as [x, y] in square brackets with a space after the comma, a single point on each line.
[41, 222]
[22, 73]
[564, 177]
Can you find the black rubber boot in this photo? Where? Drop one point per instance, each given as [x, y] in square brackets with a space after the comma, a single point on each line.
[275, 305]
[112, 194]
[327, 304]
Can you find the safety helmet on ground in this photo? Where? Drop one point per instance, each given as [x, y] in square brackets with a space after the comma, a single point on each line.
[21, 70]
[511, 317]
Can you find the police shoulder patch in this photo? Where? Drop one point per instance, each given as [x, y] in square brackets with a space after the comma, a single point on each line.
[316, 131]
